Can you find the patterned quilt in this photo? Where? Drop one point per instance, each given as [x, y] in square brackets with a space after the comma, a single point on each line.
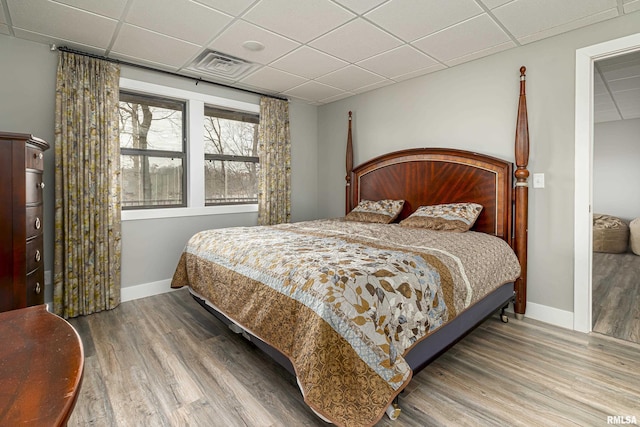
[344, 300]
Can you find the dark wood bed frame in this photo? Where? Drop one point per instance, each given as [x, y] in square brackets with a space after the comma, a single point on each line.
[427, 176]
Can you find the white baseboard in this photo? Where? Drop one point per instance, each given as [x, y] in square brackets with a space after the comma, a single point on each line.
[551, 315]
[143, 290]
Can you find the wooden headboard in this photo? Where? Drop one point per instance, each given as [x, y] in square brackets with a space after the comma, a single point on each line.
[429, 176]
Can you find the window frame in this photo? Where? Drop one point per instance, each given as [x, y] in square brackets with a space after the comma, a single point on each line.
[195, 158]
[245, 117]
[125, 151]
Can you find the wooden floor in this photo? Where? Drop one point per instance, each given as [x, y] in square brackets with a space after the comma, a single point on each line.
[616, 295]
[164, 361]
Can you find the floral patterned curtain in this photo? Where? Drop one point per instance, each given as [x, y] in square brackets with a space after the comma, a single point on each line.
[274, 147]
[87, 186]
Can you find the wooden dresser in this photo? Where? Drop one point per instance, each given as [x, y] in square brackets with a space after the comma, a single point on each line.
[21, 224]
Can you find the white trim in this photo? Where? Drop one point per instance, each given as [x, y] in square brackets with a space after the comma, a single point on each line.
[129, 293]
[138, 214]
[584, 174]
[551, 315]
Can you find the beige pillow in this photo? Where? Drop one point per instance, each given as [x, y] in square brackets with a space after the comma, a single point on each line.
[448, 217]
[634, 237]
[381, 211]
[610, 234]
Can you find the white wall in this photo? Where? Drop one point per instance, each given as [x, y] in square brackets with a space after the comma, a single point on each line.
[150, 248]
[616, 168]
[473, 106]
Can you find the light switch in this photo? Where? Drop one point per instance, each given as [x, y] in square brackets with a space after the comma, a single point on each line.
[538, 180]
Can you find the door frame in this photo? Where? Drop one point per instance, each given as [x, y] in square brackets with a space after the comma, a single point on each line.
[584, 125]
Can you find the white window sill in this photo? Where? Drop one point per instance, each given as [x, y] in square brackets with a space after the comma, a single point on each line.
[141, 214]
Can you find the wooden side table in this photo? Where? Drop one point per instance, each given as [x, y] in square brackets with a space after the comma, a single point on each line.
[41, 367]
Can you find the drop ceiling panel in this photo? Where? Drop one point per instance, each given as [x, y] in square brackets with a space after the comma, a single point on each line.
[607, 116]
[312, 91]
[3, 20]
[110, 8]
[398, 62]
[473, 35]
[272, 80]
[631, 6]
[299, 20]
[182, 19]
[230, 42]
[622, 85]
[530, 20]
[234, 7]
[87, 28]
[147, 45]
[413, 19]
[309, 63]
[360, 6]
[350, 78]
[420, 72]
[356, 41]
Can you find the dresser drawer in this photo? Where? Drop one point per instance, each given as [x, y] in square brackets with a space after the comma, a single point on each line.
[34, 221]
[34, 158]
[34, 253]
[34, 186]
[35, 287]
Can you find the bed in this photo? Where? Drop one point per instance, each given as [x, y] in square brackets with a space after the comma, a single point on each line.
[354, 309]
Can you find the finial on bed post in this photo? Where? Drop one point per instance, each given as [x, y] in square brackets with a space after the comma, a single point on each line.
[347, 205]
[521, 196]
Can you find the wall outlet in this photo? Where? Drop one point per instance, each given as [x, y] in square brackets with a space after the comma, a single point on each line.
[538, 180]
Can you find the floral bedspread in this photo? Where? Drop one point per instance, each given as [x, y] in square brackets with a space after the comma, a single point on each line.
[344, 300]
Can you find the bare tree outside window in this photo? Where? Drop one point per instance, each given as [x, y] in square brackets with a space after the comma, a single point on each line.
[152, 151]
[231, 157]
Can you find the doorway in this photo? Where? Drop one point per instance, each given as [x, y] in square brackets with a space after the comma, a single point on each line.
[583, 196]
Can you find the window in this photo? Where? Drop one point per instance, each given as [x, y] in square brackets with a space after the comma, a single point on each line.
[231, 157]
[152, 151]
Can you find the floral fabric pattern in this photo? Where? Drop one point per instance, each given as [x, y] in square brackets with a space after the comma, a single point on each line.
[87, 186]
[381, 211]
[274, 150]
[448, 217]
[344, 300]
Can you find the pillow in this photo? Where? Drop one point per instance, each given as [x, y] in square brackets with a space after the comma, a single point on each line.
[382, 211]
[449, 217]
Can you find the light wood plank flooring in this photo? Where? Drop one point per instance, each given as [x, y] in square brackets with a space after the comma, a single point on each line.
[164, 361]
[616, 295]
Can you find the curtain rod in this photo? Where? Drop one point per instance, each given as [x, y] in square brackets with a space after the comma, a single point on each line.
[157, 70]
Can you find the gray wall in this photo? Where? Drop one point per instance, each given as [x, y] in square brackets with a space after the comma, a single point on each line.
[616, 174]
[150, 247]
[473, 106]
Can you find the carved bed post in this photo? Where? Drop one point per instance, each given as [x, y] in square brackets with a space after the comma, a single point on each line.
[521, 196]
[347, 205]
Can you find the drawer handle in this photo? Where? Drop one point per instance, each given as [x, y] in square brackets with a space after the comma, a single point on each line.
[40, 185]
[37, 289]
[37, 223]
[38, 156]
[37, 256]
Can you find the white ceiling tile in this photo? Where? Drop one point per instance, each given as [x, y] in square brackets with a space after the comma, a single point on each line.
[631, 114]
[413, 19]
[157, 65]
[356, 41]
[111, 8]
[300, 20]
[4, 29]
[465, 38]
[631, 6]
[374, 86]
[606, 116]
[622, 85]
[44, 39]
[308, 62]
[313, 91]
[530, 20]
[397, 62]
[230, 42]
[54, 19]
[147, 45]
[492, 4]
[420, 72]
[598, 85]
[182, 19]
[619, 70]
[603, 101]
[360, 6]
[234, 7]
[272, 79]
[480, 53]
[336, 98]
[3, 20]
[628, 98]
[350, 78]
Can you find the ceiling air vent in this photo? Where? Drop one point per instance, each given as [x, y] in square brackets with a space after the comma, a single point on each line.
[222, 65]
